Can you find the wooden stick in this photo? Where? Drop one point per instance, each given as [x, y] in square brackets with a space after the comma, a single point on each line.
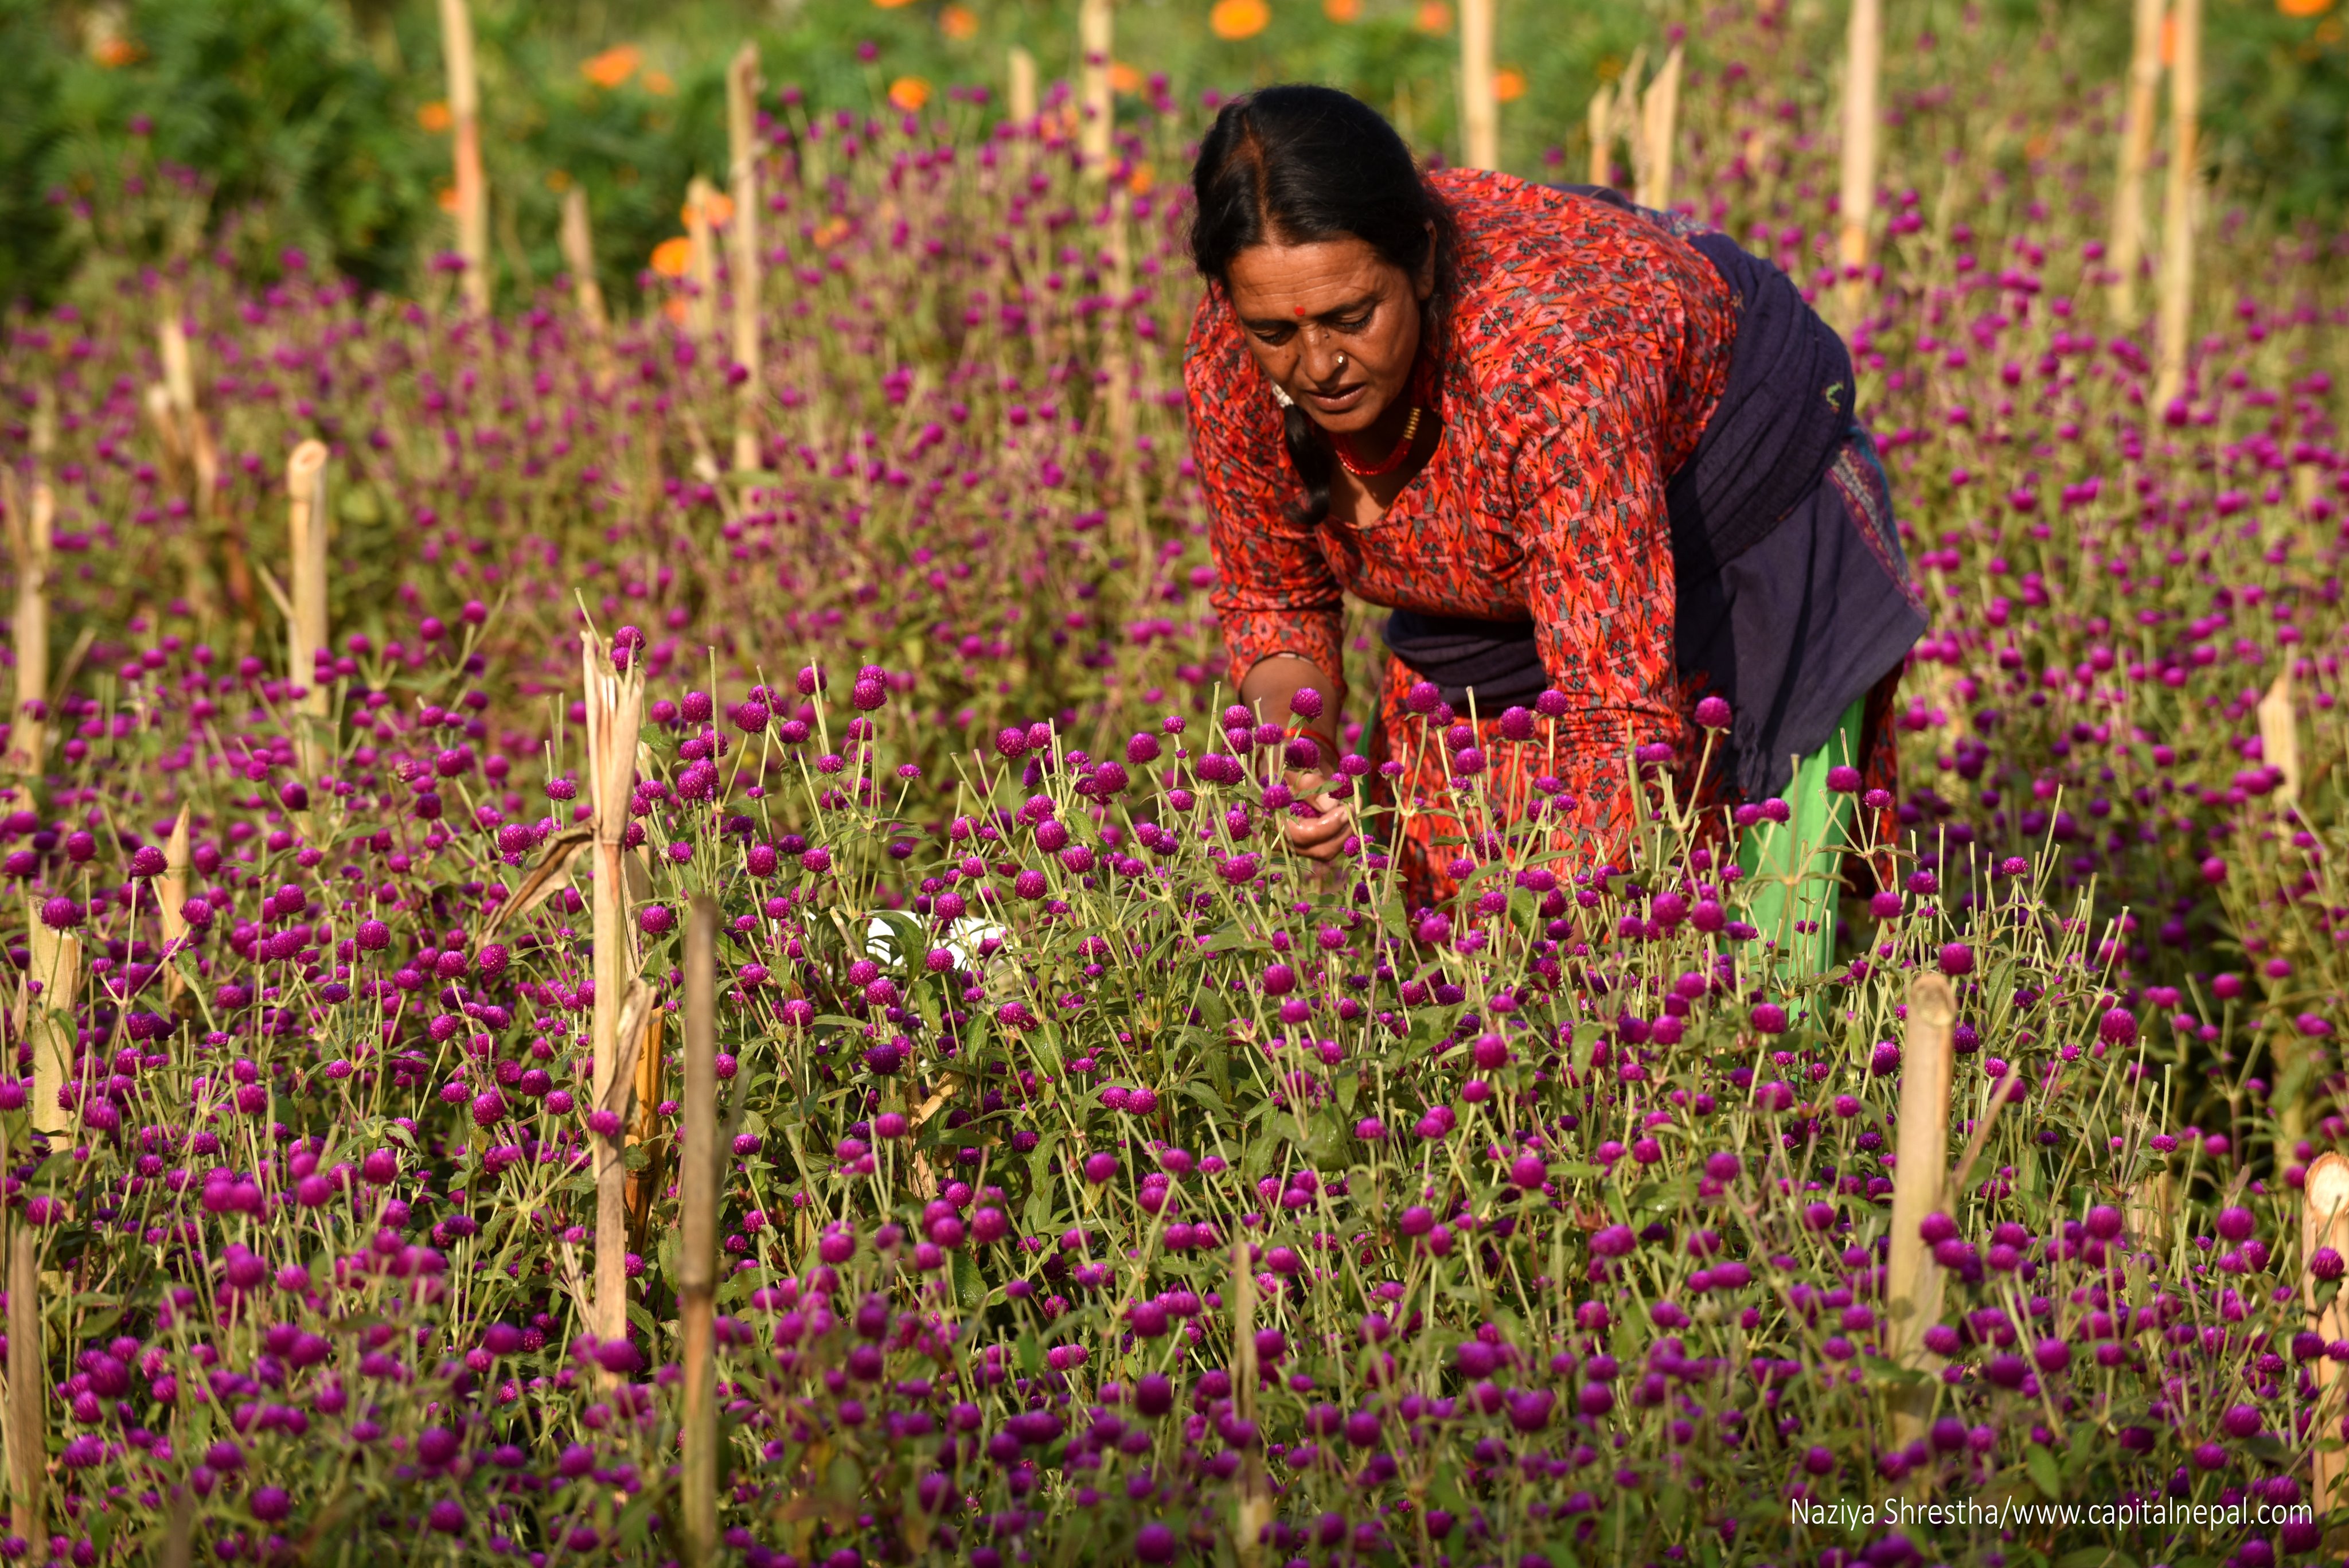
[1863, 67]
[701, 268]
[743, 257]
[47, 1019]
[305, 628]
[1660, 112]
[2176, 305]
[1480, 106]
[2126, 252]
[27, 1418]
[1912, 1280]
[650, 1068]
[1602, 121]
[579, 258]
[465, 117]
[1255, 1495]
[1097, 114]
[2280, 738]
[2324, 1222]
[1020, 65]
[30, 533]
[614, 704]
[697, 1260]
[171, 896]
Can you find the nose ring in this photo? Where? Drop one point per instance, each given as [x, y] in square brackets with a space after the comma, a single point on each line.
[1341, 361]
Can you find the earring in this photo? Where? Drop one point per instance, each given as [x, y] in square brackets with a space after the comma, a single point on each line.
[1282, 397]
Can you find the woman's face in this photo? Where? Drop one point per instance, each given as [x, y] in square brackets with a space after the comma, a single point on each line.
[1333, 324]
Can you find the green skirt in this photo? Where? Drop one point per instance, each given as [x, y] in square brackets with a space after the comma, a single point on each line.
[1793, 869]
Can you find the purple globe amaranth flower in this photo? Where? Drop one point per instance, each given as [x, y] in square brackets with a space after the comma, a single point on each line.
[1768, 1018]
[657, 919]
[1957, 959]
[1714, 713]
[60, 913]
[2118, 1027]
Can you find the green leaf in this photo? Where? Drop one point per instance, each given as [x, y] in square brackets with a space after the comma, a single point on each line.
[1032, 1354]
[970, 1291]
[1350, 1089]
[1207, 1097]
[2044, 1474]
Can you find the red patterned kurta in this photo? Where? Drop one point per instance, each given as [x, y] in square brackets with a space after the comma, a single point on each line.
[1587, 348]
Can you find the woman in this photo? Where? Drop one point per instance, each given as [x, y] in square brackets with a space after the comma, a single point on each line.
[1599, 462]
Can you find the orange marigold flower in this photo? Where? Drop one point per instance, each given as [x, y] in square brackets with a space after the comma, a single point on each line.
[1432, 16]
[720, 211]
[2303, 7]
[959, 22]
[891, 5]
[435, 117]
[114, 51]
[614, 65]
[673, 255]
[447, 197]
[1124, 77]
[909, 93]
[1236, 19]
[1141, 178]
[1508, 84]
[657, 83]
[1342, 10]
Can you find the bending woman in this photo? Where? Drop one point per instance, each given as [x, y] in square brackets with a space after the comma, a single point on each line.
[1600, 462]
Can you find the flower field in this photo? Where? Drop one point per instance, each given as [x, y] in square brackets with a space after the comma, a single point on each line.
[1098, 1181]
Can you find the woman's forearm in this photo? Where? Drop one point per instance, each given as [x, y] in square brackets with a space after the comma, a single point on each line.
[1275, 679]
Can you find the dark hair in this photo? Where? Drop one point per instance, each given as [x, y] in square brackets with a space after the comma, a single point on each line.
[1298, 165]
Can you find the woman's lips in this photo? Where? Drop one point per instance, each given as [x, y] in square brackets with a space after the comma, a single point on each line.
[1338, 402]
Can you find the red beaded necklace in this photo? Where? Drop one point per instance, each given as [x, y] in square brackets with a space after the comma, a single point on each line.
[1394, 459]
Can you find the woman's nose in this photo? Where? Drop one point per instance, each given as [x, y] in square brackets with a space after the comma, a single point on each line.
[1322, 359]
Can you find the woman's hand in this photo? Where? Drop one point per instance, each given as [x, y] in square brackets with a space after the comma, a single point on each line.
[1322, 835]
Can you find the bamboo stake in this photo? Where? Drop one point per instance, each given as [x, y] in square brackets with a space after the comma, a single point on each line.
[1660, 110]
[29, 533]
[614, 702]
[1919, 1174]
[171, 896]
[1097, 114]
[1256, 1496]
[1480, 107]
[2176, 281]
[2125, 253]
[643, 1131]
[579, 258]
[696, 1264]
[2324, 1222]
[464, 113]
[701, 301]
[305, 628]
[1862, 123]
[47, 1018]
[2280, 738]
[1021, 65]
[27, 1416]
[743, 256]
[1602, 119]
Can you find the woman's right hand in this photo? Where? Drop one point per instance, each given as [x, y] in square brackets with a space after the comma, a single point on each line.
[1322, 835]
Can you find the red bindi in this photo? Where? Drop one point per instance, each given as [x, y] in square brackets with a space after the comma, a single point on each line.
[1299, 309]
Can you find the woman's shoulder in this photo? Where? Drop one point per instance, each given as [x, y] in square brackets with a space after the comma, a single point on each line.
[1529, 249]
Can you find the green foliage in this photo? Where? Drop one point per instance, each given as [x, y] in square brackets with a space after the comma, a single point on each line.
[302, 115]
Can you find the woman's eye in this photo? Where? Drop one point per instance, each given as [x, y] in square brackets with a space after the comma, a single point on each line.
[1352, 323]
